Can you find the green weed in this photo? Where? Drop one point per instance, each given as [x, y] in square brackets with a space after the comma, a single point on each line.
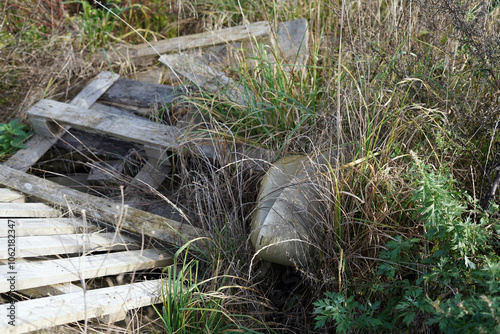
[12, 137]
[449, 276]
[194, 304]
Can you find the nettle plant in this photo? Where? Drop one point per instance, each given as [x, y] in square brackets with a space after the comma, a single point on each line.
[448, 278]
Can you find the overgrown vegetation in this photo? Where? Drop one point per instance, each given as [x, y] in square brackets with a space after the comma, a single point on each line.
[411, 87]
[446, 277]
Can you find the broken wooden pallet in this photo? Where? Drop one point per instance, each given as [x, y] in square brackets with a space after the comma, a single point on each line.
[52, 122]
[84, 253]
[12, 171]
[48, 117]
[62, 283]
[132, 220]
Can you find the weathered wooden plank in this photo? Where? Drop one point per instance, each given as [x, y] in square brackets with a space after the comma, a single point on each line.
[28, 210]
[125, 109]
[106, 172]
[98, 144]
[77, 181]
[135, 221]
[92, 92]
[37, 146]
[204, 39]
[193, 68]
[130, 128]
[41, 273]
[141, 131]
[142, 94]
[9, 196]
[289, 43]
[57, 310]
[154, 74]
[63, 244]
[154, 171]
[45, 226]
[151, 174]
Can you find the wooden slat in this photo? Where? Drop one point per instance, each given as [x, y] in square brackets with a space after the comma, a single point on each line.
[142, 94]
[154, 171]
[57, 310]
[42, 273]
[288, 43]
[140, 130]
[92, 92]
[150, 176]
[9, 196]
[37, 146]
[204, 39]
[193, 68]
[43, 291]
[45, 226]
[62, 244]
[98, 144]
[28, 210]
[130, 128]
[135, 221]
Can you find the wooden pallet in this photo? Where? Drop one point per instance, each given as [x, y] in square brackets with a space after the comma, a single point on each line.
[55, 257]
[83, 253]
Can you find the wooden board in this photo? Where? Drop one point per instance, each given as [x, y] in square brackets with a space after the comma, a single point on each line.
[288, 45]
[142, 94]
[42, 291]
[50, 290]
[140, 130]
[92, 92]
[150, 176]
[9, 196]
[41, 273]
[106, 172]
[202, 75]
[45, 226]
[130, 128]
[37, 146]
[57, 310]
[135, 221]
[154, 172]
[204, 39]
[62, 244]
[28, 210]
[98, 144]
